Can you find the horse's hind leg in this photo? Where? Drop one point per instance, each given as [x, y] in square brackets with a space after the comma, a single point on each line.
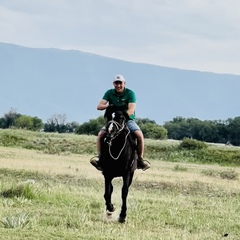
[127, 180]
[107, 196]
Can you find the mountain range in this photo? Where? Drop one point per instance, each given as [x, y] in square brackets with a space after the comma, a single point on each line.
[43, 82]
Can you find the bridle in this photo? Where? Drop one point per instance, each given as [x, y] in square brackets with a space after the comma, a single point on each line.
[112, 124]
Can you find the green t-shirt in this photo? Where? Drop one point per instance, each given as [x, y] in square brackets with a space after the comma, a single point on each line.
[128, 96]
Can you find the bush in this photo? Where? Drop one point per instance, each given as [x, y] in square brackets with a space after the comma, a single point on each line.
[24, 190]
[9, 139]
[19, 221]
[192, 144]
[229, 174]
[92, 127]
[179, 168]
[153, 131]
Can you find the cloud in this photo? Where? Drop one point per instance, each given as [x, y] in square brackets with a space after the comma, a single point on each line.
[190, 34]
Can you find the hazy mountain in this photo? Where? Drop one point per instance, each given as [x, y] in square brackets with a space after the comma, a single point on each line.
[44, 82]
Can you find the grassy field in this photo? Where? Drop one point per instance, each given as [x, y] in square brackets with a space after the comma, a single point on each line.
[50, 191]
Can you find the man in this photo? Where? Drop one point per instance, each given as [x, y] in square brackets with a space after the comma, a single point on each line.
[121, 96]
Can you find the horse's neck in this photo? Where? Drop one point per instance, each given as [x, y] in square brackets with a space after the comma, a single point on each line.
[123, 135]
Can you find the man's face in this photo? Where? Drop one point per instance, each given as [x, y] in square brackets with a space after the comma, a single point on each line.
[119, 86]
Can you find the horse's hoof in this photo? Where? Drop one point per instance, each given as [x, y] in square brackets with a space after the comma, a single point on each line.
[109, 213]
[121, 219]
[111, 209]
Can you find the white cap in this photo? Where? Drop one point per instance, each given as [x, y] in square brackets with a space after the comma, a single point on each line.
[119, 77]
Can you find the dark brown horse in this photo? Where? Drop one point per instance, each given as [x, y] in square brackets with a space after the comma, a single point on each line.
[119, 158]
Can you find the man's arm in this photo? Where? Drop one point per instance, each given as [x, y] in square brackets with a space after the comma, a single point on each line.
[102, 105]
[131, 108]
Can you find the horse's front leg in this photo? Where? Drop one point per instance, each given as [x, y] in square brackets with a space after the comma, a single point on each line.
[127, 180]
[107, 196]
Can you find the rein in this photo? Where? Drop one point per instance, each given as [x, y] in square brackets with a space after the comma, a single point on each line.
[119, 130]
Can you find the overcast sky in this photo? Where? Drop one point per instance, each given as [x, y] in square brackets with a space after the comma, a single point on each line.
[188, 34]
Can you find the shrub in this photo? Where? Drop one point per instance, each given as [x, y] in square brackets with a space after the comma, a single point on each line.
[19, 221]
[229, 174]
[192, 144]
[22, 190]
[210, 172]
[8, 139]
[153, 131]
[179, 168]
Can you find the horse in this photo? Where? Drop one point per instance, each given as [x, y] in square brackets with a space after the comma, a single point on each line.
[119, 158]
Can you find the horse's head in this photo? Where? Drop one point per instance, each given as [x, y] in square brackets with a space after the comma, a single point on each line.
[115, 120]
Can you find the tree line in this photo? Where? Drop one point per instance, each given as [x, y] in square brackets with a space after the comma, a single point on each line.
[216, 131]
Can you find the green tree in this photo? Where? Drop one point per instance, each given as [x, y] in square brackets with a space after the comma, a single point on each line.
[154, 131]
[10, 118]
[56, 123]
[141, 121]
[91, 127]
[207, 131]
[37, 124]
[178, 128]
[25, 122]
[72, 126]
[3, 123]
[234, 130]
[28, 122]
[195, 126]
[223, 134]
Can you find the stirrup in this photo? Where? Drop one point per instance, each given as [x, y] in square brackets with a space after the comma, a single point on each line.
[143, 164]
[95, 162]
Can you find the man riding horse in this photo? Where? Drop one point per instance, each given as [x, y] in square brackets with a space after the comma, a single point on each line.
[120, 96]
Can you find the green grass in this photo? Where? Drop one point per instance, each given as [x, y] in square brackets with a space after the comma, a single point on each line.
[20, 221]
[173, 151]
[49, 143]
[72, 208]
[59, 195]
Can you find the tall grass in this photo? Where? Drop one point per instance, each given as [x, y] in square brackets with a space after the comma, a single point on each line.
[174, 151]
